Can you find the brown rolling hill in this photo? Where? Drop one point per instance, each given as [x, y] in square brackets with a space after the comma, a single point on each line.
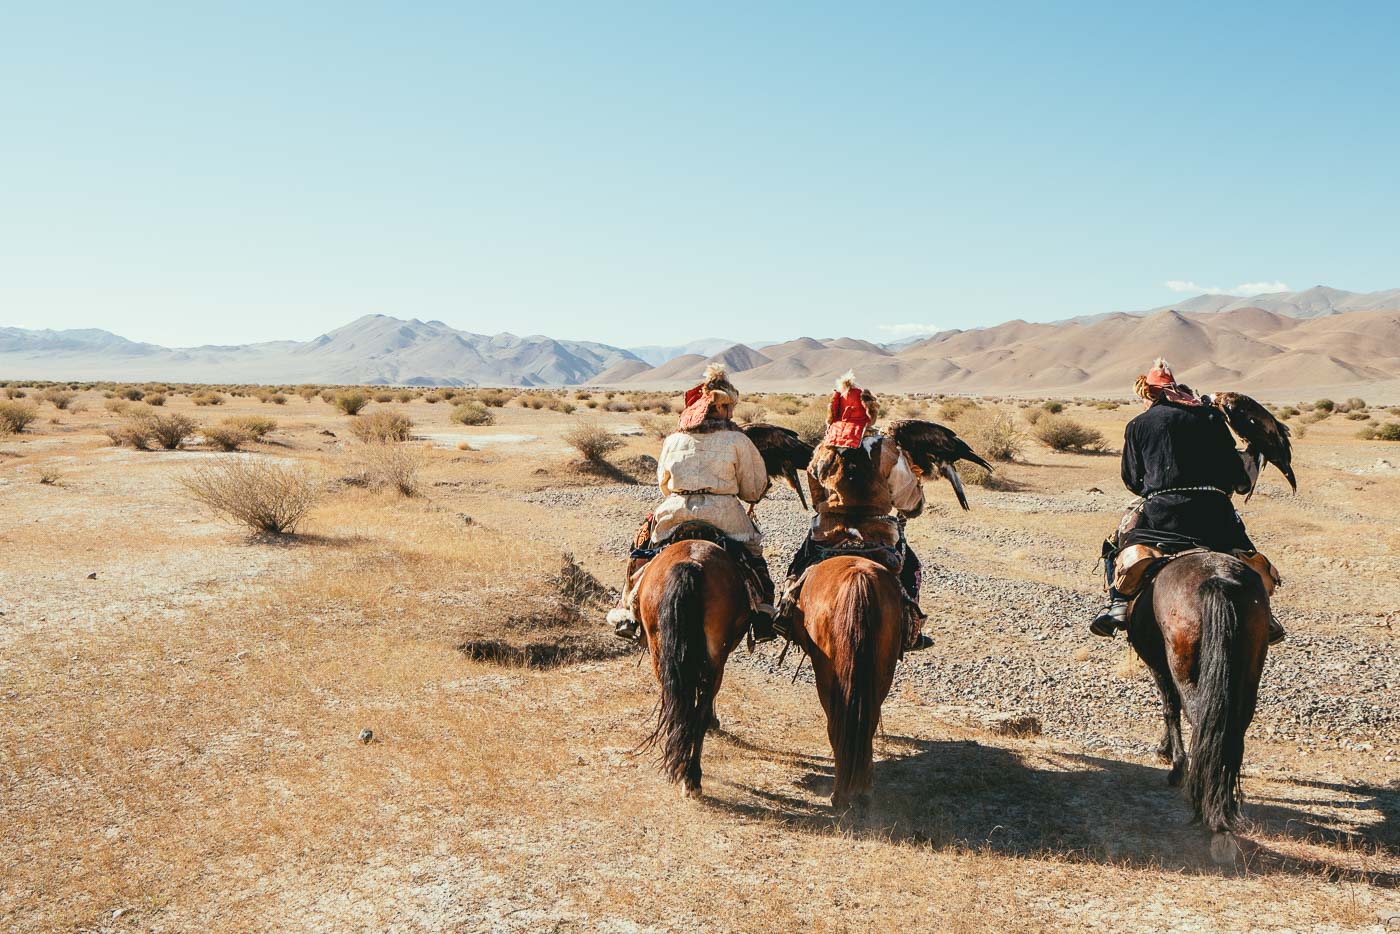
[1249, 349]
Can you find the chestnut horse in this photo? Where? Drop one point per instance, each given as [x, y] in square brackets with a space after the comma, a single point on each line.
[1201, 626]
[850, 621]
[694, 609]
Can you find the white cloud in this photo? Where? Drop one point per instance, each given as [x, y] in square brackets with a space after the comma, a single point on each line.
[1244, 288]
[911, 329]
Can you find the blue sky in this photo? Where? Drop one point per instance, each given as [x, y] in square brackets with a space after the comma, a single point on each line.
[654, 172]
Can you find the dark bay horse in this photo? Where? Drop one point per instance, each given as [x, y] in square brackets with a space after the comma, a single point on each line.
[1201, 626]
[850, 621]
[694, 608]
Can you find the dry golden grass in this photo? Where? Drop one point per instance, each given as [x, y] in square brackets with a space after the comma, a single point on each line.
[181, 735]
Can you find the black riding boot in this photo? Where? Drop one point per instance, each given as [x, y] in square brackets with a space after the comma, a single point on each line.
[761, 618]
[1115, 613]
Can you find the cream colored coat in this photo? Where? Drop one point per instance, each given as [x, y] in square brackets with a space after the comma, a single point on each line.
[708, 476]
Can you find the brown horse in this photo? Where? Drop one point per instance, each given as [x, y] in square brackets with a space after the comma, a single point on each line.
[850, 621]
[694, 608]
[1202, 628]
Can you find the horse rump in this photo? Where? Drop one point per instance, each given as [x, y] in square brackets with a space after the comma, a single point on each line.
[855, 708]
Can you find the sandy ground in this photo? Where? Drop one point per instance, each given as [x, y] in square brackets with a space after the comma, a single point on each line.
[181, 740]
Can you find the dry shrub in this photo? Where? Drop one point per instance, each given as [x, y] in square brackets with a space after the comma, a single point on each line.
[14, 392]
[495, 398]
[1053, 406]
[258, 426]
[16, 416]
[657, 426]
[261, 494]
[382, 427]
[432, 398]
[809, 425]
[155, 398]
[393, 467]
[1390, 431]
[207, 398]
[592, 440]
[383, 397]
[49, 476]
[992, 433]
[748, 412]
[620, 405]
[471, 413]
[144, 429]
[1061, 433]
[403, 395]
[58, 397]
[350, 402]
[952, 409]
[1033, 415]
[169, 431]
[276, 398]
[226, 437]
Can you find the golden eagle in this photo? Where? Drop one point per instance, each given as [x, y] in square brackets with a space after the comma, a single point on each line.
[934, 449]
[785, 454]
[1265, 437]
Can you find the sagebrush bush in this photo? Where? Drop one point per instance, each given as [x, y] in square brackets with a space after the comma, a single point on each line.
[1053, 406]
[169, 431]
[226, 437]
[472, 413]
[207, 398]
[1061, 433]
[155, 398]
[657, 426]
[748, 412]
[393, 467]
[350, 402]
[993, 434]
[263, 495]
[592, 440]
[950, 410]
[809, 425]
[382, 427]
[16, 416]
[58, 397]
[1033, 415]
[257, 426]
[1390, 431]
[403, 395]
[1325, 405]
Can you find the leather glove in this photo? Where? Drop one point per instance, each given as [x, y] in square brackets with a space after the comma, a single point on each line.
[1250, 460]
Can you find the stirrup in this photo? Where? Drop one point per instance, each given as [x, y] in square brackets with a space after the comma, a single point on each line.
[1113, 618]
[625, 625]
[761, 627]
[1276, 631]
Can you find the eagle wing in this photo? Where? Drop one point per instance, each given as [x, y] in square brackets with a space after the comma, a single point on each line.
[1264, 436]
[785, 454]
[934, 449]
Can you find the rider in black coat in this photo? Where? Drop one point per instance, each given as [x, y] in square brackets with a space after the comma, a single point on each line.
[1180, 457]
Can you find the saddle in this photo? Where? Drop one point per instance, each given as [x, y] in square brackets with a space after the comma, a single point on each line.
[643, 551]
[876, 538]
[1135, 566]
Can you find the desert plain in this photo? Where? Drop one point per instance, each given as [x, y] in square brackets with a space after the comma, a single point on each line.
[410, 714]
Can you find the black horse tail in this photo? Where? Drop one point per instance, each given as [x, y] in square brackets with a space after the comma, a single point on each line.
[687, 684]
[854, 707]
[1217, 741]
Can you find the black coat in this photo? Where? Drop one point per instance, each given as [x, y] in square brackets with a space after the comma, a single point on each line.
[1172, 446]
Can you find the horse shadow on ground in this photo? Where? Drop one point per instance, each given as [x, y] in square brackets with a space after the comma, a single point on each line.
[960, 793]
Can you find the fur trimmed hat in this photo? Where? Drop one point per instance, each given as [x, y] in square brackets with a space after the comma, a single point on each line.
[1160, 382]
[713, 388]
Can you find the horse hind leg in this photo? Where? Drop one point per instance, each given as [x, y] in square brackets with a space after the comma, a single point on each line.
[1172, 749]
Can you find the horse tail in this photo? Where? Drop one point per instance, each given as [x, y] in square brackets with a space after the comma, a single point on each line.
[687, 684]
[1217, 740]
[854, 706]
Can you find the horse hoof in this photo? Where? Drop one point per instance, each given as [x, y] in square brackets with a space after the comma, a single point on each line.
[691, 794]
[1224, 850]
[714, 724]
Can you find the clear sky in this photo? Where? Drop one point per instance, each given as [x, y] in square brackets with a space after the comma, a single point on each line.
[653, 172]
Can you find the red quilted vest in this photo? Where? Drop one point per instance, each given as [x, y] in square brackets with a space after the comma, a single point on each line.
[847, 420]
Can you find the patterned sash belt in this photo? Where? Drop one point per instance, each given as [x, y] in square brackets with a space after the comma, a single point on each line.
[1187, 489]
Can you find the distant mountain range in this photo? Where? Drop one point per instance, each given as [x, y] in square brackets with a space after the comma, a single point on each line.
[1282, 345]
